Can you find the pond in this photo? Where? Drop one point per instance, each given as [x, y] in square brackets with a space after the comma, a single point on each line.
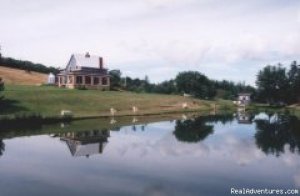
[180, 155]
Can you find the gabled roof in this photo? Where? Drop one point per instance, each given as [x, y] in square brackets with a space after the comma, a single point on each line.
[244, 94]
[86, 60]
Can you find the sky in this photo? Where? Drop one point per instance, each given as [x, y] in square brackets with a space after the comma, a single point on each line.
[223, 39]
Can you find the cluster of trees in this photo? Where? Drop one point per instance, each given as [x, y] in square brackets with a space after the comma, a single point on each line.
[228, 89]
[189, 82]
[26, 65]
[1, 87]
[276, 84]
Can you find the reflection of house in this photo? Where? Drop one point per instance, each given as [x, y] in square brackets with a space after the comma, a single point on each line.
[244, 98]
[85, 143]
[244, 118]
[84, 71]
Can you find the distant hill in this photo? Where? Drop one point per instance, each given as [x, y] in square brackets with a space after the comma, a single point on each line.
[26, 65]
[22, 77]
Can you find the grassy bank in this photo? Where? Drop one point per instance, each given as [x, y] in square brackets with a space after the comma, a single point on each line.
[49, 101]
[17, 76]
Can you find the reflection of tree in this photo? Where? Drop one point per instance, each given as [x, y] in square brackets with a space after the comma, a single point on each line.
[277, 131]
[2, 147]
[195, 130]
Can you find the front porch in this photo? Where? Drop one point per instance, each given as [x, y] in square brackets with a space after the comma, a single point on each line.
[84, 81]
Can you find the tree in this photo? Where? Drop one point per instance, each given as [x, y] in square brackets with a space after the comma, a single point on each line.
[294, 82]
[195, 83]
[275, 84]
[166, 87]
[115, 78]
[272, 83]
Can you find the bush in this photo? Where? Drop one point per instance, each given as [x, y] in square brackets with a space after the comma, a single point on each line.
[81, 88]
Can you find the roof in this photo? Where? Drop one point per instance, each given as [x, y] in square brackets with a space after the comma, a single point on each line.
[244, 94]
[93, 71]
[86, 60]
[78, 148]
[84, 71]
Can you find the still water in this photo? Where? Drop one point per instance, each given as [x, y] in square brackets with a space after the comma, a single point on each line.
[186, 155]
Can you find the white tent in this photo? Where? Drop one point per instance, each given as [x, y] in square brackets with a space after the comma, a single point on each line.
[51, 78]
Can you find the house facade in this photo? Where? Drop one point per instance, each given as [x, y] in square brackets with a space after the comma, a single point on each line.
[84, 71]
[244, 98]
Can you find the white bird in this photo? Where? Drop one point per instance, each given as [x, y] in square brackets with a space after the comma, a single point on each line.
[135, 109]
[113, 121]
[112, 111]
[184, 105]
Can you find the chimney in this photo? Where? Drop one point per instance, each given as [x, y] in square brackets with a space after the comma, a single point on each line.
[100, 62]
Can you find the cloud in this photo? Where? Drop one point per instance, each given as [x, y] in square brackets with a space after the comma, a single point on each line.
[173, 35]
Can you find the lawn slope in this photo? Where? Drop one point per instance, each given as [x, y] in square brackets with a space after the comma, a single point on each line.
[49, 101]
[21, 77]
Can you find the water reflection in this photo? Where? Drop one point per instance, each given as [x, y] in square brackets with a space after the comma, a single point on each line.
[197, 129]
[2, 147]
[85, 143]
[277, 131]
[186, 155]
[244, 117]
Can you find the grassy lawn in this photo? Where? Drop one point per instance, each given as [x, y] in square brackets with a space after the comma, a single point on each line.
[49, 101]
[18, 76]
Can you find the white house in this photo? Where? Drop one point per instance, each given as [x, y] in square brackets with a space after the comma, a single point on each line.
[244, 98]
[51, 78]
[84, 70]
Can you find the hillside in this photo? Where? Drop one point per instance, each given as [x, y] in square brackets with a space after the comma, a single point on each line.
[49, 101]
[21, 77]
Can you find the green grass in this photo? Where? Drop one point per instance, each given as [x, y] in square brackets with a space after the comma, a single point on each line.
[49, 101]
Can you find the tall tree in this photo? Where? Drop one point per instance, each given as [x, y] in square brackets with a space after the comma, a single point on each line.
[195, 83]
[294, 82]
[272, 83]
[115, 80]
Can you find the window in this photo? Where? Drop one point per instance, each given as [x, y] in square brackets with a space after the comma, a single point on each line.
[62, 80]
[70, 79]
[87, 79]
[96, 80]
[78, 79]
[104, 81]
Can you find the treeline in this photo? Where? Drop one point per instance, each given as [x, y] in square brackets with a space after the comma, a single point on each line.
[1, 87]
[275, 85]
[26, 65]
[279, 85]
[190, 82]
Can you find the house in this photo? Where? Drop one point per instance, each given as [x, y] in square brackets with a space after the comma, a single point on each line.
[244, 98]
[84, 71]
[51, 79]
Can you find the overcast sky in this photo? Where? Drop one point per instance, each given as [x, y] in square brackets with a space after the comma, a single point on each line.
[224, 39]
